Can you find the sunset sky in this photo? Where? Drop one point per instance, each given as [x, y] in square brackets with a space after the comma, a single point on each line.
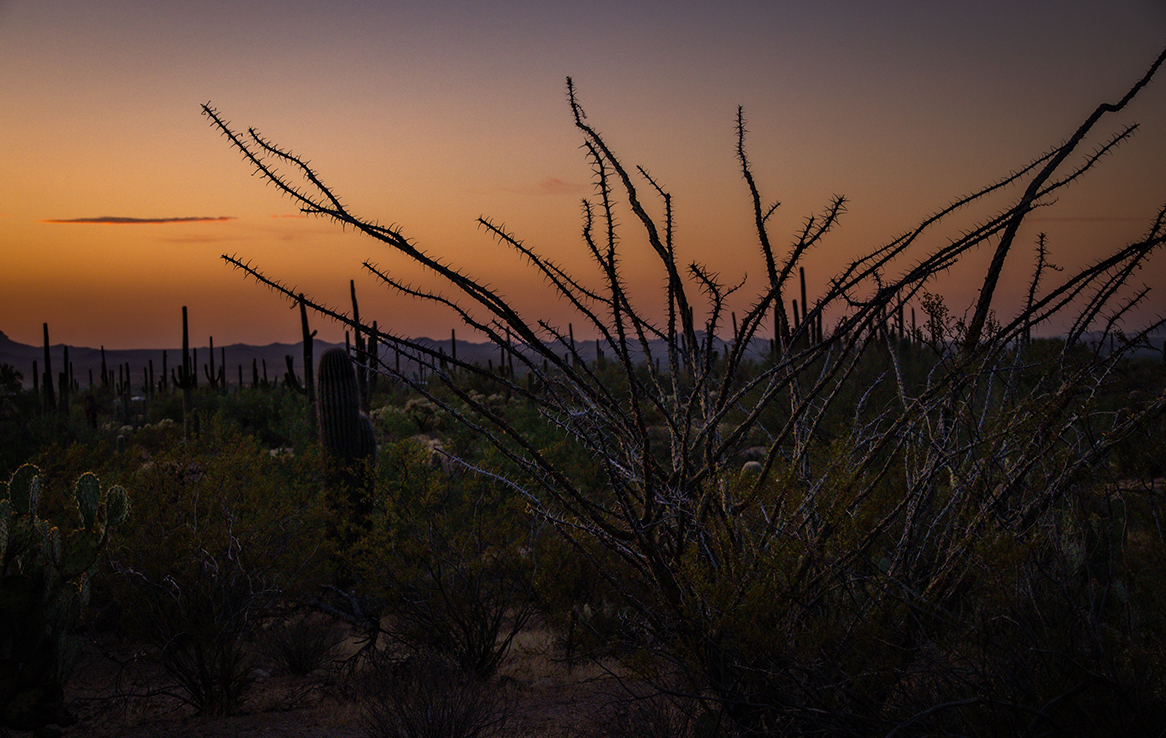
[117, 198]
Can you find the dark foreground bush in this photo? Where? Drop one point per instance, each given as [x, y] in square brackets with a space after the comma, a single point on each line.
[430, 696]
[301, 643]
[640, 710]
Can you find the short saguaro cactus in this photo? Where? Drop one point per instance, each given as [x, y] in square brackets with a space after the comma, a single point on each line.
[347, 436]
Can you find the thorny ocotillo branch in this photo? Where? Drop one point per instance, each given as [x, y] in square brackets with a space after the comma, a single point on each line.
[834, 435]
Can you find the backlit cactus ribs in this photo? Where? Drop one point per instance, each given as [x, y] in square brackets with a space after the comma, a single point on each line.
[346, 435]
[44, 585]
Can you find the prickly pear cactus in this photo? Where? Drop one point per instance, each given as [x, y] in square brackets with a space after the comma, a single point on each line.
[44, 586]
[346, 435]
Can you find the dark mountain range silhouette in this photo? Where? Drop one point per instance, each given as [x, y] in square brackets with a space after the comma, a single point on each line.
[86, 359]
[241, 356]
[238, 356]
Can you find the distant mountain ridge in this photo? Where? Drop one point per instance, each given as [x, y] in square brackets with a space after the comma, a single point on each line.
[86, 359]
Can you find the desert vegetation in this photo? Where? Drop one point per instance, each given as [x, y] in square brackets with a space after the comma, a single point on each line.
[817, 516]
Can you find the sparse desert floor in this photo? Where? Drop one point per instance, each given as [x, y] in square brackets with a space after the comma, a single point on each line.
[114, 698]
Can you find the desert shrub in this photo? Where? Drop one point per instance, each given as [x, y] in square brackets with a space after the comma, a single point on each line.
[393, 422]
[636, 710]
[165, 405]
[226, 531]
[199, 617]
[430, 696]
[575, 596]
[426, 416]
[302, 643]
[27, 433]
[447, 556]
[276, 417]
[16, 406]
[892, 567]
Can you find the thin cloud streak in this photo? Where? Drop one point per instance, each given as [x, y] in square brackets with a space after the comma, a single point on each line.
[119, 220]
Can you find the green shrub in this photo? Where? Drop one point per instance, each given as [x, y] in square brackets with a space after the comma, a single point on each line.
[226, 531]
[448, 556]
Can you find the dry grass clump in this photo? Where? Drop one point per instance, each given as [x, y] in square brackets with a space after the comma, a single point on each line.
[301, 644]
[429, 696]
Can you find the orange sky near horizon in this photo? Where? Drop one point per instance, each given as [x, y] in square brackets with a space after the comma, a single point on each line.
[430, 114]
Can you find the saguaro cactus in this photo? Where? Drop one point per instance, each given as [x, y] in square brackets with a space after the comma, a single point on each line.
[346, 435]
[65, 382]
[361, 351]
[308, 334]
[50, 402]
[212, 376]
[186, 379]
[308, 387]
[44, 582]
